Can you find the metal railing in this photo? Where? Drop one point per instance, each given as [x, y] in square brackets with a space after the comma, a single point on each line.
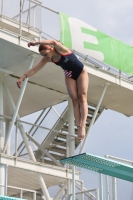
[103, 66]
[26, 11]
[129, 162]
[118, 184]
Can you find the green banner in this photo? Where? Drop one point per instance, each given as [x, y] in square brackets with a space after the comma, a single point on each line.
[84, 38]
[65, 32]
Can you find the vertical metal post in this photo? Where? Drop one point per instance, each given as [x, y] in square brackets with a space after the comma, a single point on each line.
[67, 165]
[120, 74]
[27, 21]
[6, 131]
[101, 186]
[34, 195]
[20, 22]
[16, 138]
[6, 177]
[71, 128]
[2, 179]
[71, 141]
[43, 154]
[82, 189]
[69, 188]
[107, 186]
[23, 4]
[97, 194]
[114, 188]
[34, 9]
[94, 117]
[17, 106]
[1, 113]
[67, 146]
[2, 169]
[29, 12]
[21, 194]
[73, 182]
[2, 7]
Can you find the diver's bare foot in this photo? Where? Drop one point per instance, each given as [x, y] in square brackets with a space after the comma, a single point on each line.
[81, 132]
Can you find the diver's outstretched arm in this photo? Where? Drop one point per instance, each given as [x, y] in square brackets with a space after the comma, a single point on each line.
[32, 71]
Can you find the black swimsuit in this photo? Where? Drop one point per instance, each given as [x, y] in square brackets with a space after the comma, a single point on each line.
[71, 65]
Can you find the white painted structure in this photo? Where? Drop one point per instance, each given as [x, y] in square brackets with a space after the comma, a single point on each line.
[108, 89]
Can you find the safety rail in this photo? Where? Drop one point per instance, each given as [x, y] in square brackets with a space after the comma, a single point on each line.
[33, 194]
[129, 162]
[22, 192]
[87, 193]
[22, 16]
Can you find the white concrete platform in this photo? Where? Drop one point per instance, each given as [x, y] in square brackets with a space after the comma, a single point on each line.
[49, 87]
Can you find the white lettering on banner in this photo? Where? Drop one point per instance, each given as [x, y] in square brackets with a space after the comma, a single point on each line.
[78, 38]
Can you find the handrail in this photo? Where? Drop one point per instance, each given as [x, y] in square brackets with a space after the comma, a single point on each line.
[119, 159]
[23, 12]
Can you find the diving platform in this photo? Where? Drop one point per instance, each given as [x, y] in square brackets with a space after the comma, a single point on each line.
[49, 83]
[9, 198]
[101, 165]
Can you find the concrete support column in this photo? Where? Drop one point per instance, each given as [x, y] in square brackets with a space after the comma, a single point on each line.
[2, 170]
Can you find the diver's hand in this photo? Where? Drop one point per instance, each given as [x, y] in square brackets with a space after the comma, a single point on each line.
[19, 82]
[33, 43]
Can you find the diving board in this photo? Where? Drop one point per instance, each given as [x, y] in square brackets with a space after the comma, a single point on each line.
[101, 165]
[9, 198]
